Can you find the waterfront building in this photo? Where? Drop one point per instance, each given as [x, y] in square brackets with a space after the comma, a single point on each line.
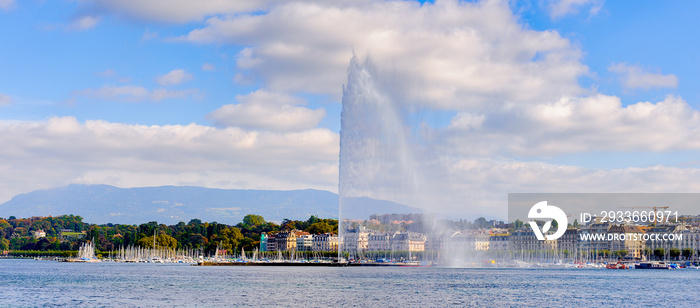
[525, 244]
[304, 242]
[627, 238]
[379, 241]
[659, 231]
[407, 241]
[263, 241]
[271, 240]
[499, 242]
[436, 241]
[287, 240]
[355, 241]
[324, 242]
[593, 246]
[469, 240]
[481, 241]
[690, 240]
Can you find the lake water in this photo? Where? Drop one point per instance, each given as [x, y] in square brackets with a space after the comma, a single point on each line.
[47, 283]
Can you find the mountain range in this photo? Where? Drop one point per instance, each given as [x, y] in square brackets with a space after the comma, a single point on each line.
[103, 204]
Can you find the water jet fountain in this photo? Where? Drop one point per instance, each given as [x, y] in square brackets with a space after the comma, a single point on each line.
[392, 186]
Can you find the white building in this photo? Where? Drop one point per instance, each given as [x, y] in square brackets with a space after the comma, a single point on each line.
[324, 242]
[408, 241]
[305, 242]
[379, 242]
[356, 241]
[499, 242]
[39, 234]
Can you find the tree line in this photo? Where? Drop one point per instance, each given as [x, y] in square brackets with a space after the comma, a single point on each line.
[19, 234]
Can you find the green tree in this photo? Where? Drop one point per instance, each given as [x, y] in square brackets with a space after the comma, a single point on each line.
[659, 253]
[4, 224]
[20, 231]
[674, 252]
[518, 224]
[687, 253]
[312, 220]
[621, 254]
[250, 243]
[288, 224]
[229, 239]
[251, 221]
[197, 240]
[320, 228]
[162, 241]
[481, 222]
[93, 233]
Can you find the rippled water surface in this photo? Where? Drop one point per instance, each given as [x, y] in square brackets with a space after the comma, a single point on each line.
[48, 283]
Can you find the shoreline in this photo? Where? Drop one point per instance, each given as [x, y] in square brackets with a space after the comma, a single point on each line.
[313, 264]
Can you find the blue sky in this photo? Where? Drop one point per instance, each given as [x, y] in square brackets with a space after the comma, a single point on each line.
[655, 36]
[593, 95]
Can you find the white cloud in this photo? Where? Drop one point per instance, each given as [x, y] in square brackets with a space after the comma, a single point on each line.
[483, 183]
[62, 150]
[174, 77]
[466, 120]
[634, 77]
[7, 4]
[269, 98]
[178, 11]
[448, 54]
[181, 11]
[575, 125]
[208, 67]
[262, 110]
[5, 100]
[84, 23]
[560, 8]
[132, 93]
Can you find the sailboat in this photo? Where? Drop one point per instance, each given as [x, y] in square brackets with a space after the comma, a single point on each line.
[154, 258]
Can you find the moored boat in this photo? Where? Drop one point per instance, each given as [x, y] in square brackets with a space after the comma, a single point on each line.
[618, 265]
[655, 265]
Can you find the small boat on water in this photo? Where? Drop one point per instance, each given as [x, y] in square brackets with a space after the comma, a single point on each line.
[656, 265]
[618, 265]
[156, 260]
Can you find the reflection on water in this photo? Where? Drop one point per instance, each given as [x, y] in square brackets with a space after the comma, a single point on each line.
[47, 283]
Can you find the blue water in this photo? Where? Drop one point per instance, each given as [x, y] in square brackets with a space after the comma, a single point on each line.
[47, 283]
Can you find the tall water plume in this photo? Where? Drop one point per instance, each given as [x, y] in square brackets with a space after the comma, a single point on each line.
[387, 168]
[376, 159]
